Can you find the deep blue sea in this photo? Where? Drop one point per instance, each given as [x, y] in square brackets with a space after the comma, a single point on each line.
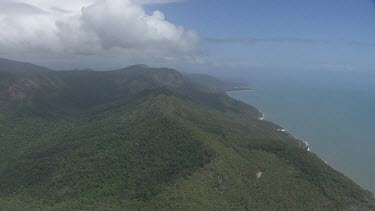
[334, 112]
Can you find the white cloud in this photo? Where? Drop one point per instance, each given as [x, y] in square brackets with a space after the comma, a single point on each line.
[122, 23]
[90, 27]
[16, 8]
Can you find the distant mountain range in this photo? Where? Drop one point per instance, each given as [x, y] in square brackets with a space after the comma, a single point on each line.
[11, 66]
[143, 138]
[216, 84]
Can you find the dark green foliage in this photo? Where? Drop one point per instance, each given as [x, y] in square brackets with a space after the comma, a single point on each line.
[333, 184]
[133, 163]
[143, 138]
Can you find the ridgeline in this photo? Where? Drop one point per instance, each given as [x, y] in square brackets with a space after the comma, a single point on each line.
[144, 138]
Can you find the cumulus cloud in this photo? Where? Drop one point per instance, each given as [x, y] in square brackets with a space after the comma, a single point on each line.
[91, 27]
[131, 27]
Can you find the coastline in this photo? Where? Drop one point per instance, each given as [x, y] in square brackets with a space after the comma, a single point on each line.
[302, 143]
[342, 157]
[261, 116]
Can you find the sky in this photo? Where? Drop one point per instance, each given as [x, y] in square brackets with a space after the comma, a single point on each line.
[191, 35]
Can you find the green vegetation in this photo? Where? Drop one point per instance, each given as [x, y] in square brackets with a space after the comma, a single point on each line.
[144, 138]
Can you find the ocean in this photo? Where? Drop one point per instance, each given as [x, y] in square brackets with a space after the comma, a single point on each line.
[334, 112]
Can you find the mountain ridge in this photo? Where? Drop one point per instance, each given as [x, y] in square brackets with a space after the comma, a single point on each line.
[149, 138]
[12, 66]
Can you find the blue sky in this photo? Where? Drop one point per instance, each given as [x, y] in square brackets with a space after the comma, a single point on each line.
[191, 35]
[337, 35]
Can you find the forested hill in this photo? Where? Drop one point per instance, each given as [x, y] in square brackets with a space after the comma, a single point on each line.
[144, 138]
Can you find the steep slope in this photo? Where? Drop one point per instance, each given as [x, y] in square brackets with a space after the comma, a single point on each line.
[61, 92]
[156, 142]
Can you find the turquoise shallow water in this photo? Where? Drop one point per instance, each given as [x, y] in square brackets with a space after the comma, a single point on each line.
[335, 115]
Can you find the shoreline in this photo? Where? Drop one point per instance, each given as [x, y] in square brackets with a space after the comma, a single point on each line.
[302, 143]
[333, 161]
[261, 117]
